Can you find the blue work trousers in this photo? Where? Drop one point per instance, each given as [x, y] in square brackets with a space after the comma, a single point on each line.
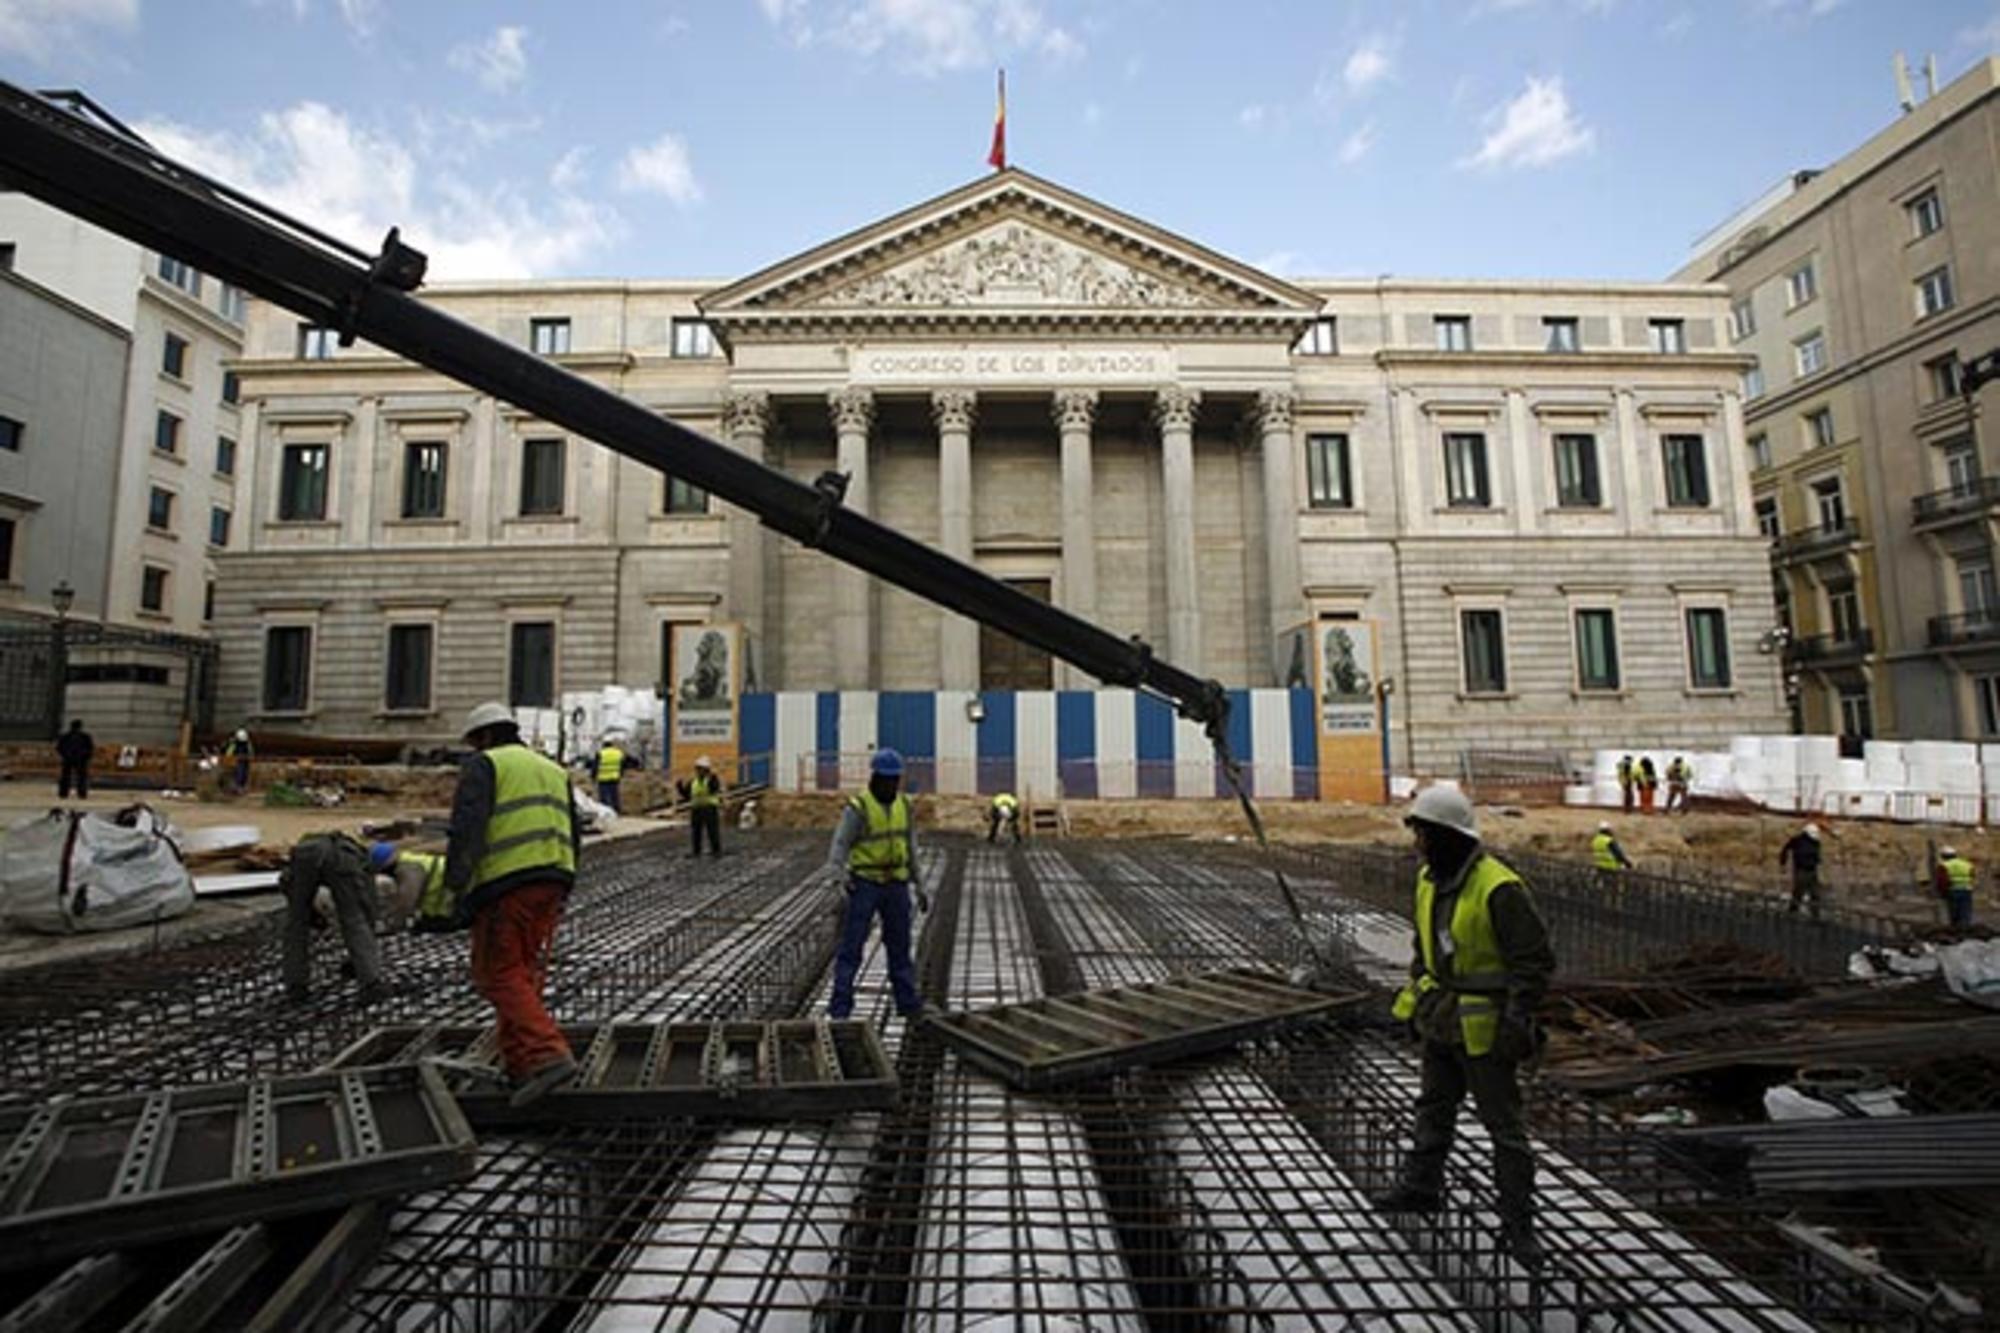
[1959, 903]
[866, 898]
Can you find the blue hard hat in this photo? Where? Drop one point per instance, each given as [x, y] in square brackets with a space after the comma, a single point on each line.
[886, 764]
[380, 855]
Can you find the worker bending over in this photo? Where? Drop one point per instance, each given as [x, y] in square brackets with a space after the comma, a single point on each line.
[610, 769]
[1005, 812]
[1953, 880]
[1607, 858]
[510, 864]
[875, 852]
[340, 865]
[1482, 961]
[703, 794]
[417, 897]
[1802, 853]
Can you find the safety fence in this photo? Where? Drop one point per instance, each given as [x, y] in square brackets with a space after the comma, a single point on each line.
[1079, 779]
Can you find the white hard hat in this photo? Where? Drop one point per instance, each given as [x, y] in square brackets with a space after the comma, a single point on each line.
[1947, 852]
[1812, 831]
[1445, 807]
[1604, 826]
[242, 734]
[701, 761]
[486, 715]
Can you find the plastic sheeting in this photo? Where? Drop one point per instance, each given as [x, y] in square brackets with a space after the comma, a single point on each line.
[66, 873]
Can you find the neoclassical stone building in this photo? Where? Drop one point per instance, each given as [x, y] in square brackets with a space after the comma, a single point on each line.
[1536, 490]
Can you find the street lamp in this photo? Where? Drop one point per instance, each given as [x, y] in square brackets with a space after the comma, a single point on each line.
[62, 597]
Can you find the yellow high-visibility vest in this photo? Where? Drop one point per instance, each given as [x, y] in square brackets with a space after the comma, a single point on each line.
[1478, 973]
[1601, 854]
[530, 826]
[704, 791]
[434, 900]
[882, 852]
[610, 763]
[1958, 873]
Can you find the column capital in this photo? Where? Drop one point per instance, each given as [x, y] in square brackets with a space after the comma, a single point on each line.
[747, 412]
[853, 410]
[1274, 410]
[1174, 406]
[1075, 409]
[954, 409]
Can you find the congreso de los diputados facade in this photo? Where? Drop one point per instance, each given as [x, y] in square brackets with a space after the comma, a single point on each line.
[1532, 495]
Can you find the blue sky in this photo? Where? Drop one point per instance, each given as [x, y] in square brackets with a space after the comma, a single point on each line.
[1458, 138]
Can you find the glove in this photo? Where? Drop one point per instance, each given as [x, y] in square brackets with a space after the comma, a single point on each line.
[1519, 1037]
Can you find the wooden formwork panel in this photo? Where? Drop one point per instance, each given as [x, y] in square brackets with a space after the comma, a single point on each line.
[1065, 1039]
[107, 1172]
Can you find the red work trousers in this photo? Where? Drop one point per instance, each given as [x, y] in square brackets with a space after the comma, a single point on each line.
[511, 937]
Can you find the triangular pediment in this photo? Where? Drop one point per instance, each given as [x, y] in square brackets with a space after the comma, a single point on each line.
[1009, 244]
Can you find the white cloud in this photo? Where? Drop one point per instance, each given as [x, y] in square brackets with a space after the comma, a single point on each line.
[1679, 25]
[927, 37]
[1984, 37]
[568, 172]
[1279, 263]
[362, 16]
[1357, 144]
[1252, 116]
[499, 62]
[38, 29]
[1799, 9]
[312, 161]
[1367, 65]
[1536, 129]
[661, 167]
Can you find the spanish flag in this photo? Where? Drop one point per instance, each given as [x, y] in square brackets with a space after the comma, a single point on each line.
[997, 157]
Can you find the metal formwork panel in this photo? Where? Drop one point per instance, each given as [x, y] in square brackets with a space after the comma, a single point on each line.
[1065, 1039]
[738, 1071]
[106, 1172]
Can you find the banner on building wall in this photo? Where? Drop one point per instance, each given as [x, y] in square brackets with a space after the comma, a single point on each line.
[1292, 658]
[1349, 725]
[705, 695]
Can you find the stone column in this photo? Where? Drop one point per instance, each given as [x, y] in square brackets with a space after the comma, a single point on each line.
[1281, 512]
[853, 592]
[958, 638]
[1076, 413]
[1174, 409]
[746, 420]
[1525, 457]
[1631, 471]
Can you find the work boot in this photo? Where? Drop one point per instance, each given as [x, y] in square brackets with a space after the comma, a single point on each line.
[1518, 1239]
[543, 1081]
[1406, 1198]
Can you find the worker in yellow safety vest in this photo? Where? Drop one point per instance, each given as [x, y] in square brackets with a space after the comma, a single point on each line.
[1005, 812]
[1481, 963]
[874, 857]
[419, 898]
[610, 771]
[1954, 882]
[703, 794]
[1628, 780]
[1607, 858]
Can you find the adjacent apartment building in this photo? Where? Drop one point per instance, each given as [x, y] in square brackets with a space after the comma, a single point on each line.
[1539, 493]
[1857, 291]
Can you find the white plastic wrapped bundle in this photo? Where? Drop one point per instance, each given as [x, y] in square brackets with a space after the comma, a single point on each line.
[1889, 752]
[1781, 750]
[1711, 774]
[1604, 765]
[1583, 795]
[1942, 753]
[1607, 793]
[1958, 779]
[1989, 754]
[1989, 779]
[1749, 779]
[1850, 775]
[1818, 752]
[1746, 747]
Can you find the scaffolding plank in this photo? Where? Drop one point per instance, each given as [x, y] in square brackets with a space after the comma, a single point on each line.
[103, 1173]
[1065, 1039]
[738, 1071]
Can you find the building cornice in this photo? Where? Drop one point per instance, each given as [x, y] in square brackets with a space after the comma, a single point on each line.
[1930, 330]
[1392, 357]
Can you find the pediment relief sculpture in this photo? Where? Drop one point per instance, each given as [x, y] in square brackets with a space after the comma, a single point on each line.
[1015, 265]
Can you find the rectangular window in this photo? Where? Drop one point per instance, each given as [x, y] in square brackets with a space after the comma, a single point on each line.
[1978, 596]
[1801, 285]
[177, 274]
[1961, 467]
[233, 303]
[1843, 613]
[166, 433]
[1819, 428]
[1857, 714]
[423, 479]
[10, 434]
[541, 477]
[1687, 471]
[1767, 518]
[684, 497]
[225, 456]
[316, 343]
[408, 684]
[1742, 319]
[1926, 213]
[218, 526]
[1934, 294]
[1781, 601]
[1454, 332]
[232, 387]
[1943, 374]
[287, 668]
[1596, 650]
[173, 356]
[160, 510]
[1329, 484]
[1810, 352]
[1753, 382]
[531, 664]
[208, 600]
[692, 338]
[1560, 335]
[153, 590]
[1830, 504]
[1321, 339]
[6, 550]
[1485, 652]
[302, 483]
[549, 337]
[1760, 450]
[1465, 470]
[1576, 472]
[1667, 336]
[1708, 648]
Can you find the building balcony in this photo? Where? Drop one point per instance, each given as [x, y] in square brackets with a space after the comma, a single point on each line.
[1811, 543]
[1970, 627]
[1822, 650]
[1955, 504]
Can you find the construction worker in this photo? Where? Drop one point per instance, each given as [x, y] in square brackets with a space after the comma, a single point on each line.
[610, 768]
[1004, 810]
[1954, 879]
[338, 864]
[1607, 858]
[1679, 774]
[417, 898]
[1628, 777]
[1481, 963]
[875, 853]
[510, 864]
[1802, 852]
[703, 794]
[1649, 783]
[73, 751]
[237, 754]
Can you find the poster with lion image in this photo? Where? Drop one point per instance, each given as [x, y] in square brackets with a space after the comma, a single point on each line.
[1350, 728]
[703, 694]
